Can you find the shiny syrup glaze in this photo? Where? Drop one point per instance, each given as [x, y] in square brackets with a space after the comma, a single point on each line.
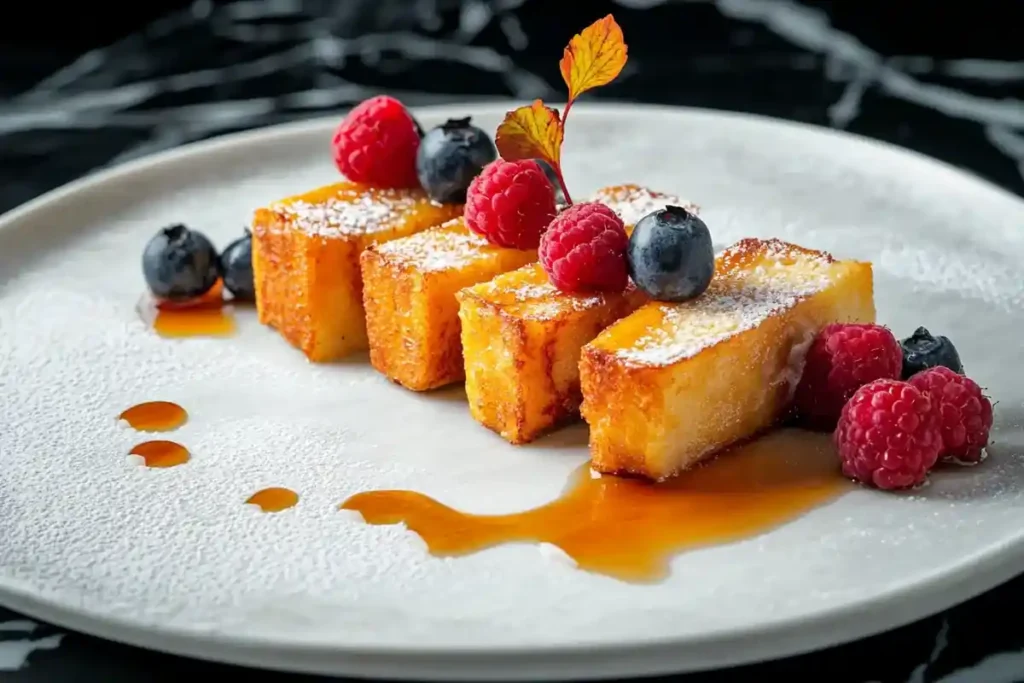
[161, 454]
[630, 529]
[206, 316]
[274, 499]
[155, 416]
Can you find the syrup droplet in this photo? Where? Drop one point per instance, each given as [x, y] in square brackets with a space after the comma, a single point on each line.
[161, 453]
[630, 529]
[274, 499]
[155, 416]
[206, 316]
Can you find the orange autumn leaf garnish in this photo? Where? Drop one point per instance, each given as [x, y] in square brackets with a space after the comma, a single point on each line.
[531, 132]
[593, 58]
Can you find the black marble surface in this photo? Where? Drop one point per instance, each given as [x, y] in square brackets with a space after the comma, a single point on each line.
[93, 85]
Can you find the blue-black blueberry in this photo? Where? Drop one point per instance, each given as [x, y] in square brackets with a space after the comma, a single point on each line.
[236, 264]
[179, 263]
[670, 255]
[450, 156]
[922, 350]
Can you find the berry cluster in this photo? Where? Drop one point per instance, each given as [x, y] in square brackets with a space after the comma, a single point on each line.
[897, 408]
[180, 265]
[380, 143]
[586, 247]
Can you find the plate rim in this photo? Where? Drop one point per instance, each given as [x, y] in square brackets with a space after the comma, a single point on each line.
[310, 125]
[899, 606]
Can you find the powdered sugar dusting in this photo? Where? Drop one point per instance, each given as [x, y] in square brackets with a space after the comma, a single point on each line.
[741, 296]
[446, 247]
[350, 212]
[633, 202]
[543, 301]
[529, 295]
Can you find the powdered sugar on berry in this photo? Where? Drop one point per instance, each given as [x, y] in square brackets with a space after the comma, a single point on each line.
[740, 298]
[633, 202]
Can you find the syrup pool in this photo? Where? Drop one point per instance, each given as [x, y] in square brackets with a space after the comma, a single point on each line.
[206, 316]
[161, 454]
[155, 416]
[630, 529]
[274, 499]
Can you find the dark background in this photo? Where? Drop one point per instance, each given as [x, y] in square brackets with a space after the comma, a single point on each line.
[302, 57]
[86, 85]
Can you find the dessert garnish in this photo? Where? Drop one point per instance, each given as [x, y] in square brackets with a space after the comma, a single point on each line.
[273, 499]
[154, 416]
[891, 432]
[888, 435]
[236, 266]
[376, 143]
[841, 359]
[180, 264]
[921, 351]
[560, 202]
[161, 454]
[593, 58]
[670, 255]
[583, 250]
[450, 156]
[630, 529]
[964, 413]
[533, 134]
[510, 204]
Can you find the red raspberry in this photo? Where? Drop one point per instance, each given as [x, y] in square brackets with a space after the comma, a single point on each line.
[888, 435]
[377, 143]
[841, 359]
[510, 203]
[584, 249]
[964, 413]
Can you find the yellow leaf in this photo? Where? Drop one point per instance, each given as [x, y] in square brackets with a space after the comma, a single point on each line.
[594, 57]
[530, 132]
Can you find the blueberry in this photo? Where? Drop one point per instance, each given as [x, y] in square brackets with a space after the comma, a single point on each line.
[670, 255]
[236, 262]
[179, 263]
[450, 156]
[553, 179]
[922, 351]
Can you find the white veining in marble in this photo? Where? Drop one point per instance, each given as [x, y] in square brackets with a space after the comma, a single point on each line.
[14, 654]
[304, 41]
[1001, 667]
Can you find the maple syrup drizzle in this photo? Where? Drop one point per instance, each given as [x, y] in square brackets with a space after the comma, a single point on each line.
[161, 454]
[155, 416]
[274, 499]
[206, 316]
[630, 529]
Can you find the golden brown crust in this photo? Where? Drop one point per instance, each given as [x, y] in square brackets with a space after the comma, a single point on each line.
[306, 260]
[651, 416]
[522, 340]
[410, 287]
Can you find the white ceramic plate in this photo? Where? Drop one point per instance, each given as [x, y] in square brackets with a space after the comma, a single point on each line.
[171, 559]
